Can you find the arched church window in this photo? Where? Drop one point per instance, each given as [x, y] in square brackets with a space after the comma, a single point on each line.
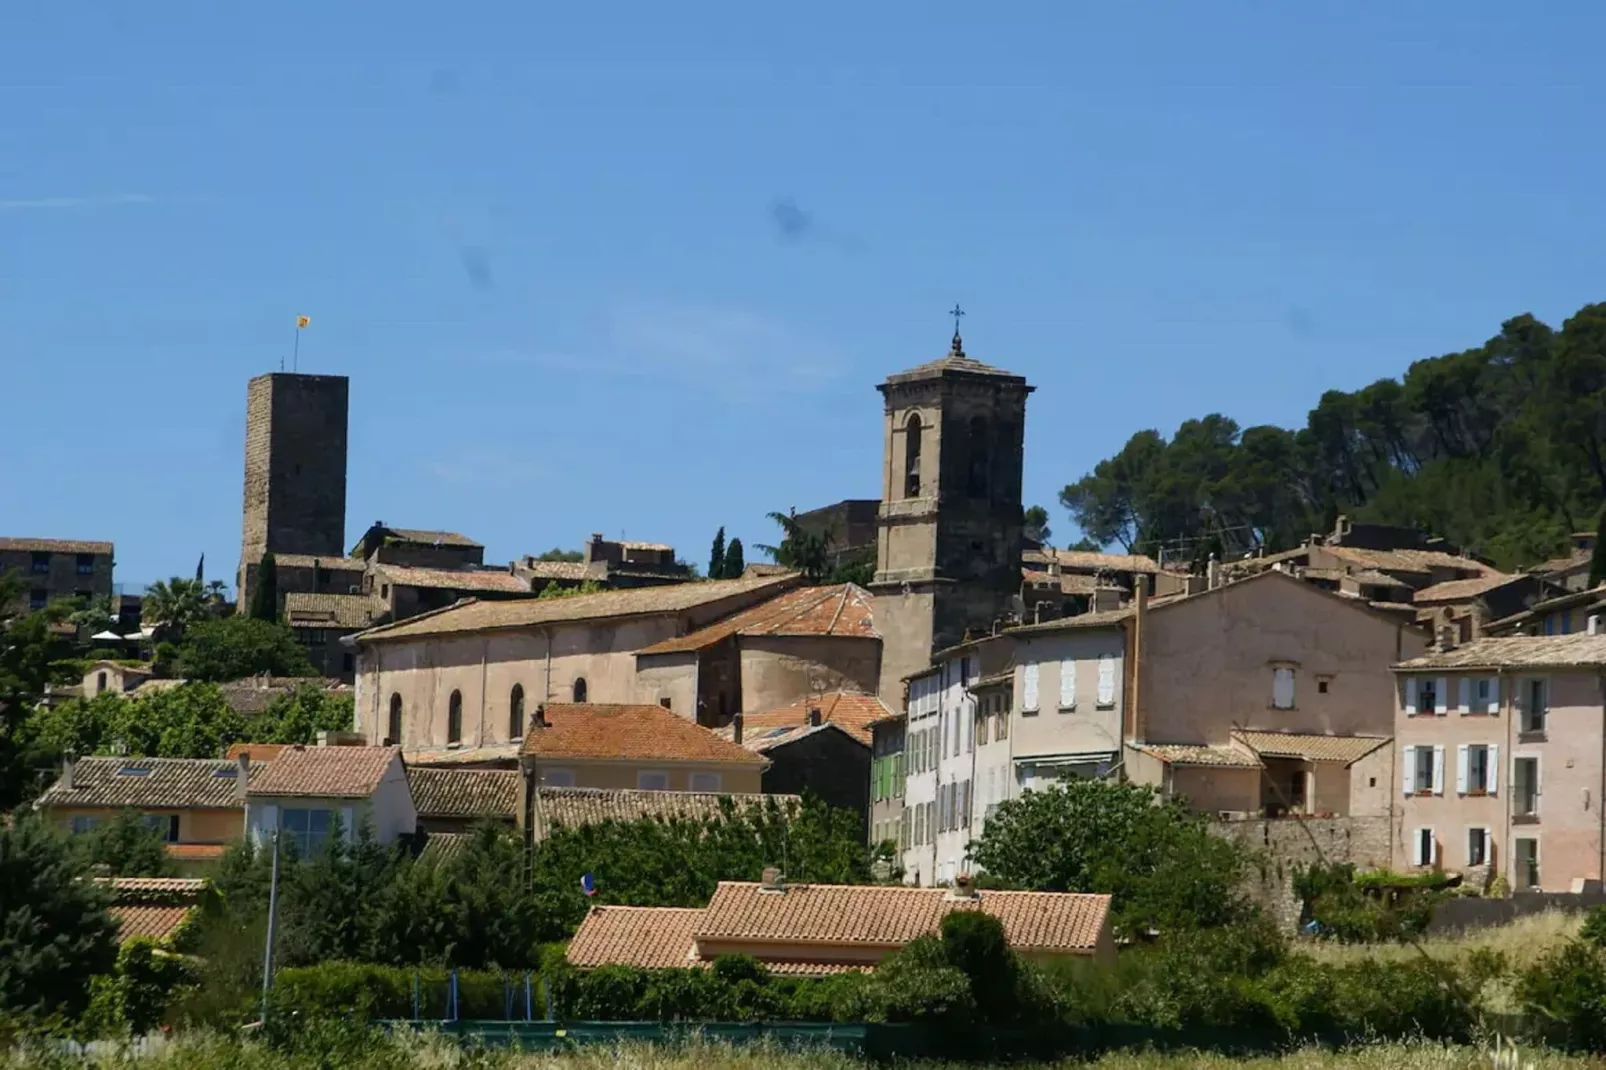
[579, 689]
[454, 718]
[515, 713]
[911, 457]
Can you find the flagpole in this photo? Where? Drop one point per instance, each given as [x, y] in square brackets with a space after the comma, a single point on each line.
[295, 359]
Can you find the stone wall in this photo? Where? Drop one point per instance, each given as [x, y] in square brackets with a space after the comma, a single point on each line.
[1282, 845]
[295, 466]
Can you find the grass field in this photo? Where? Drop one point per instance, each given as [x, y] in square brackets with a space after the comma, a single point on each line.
[1521, 942]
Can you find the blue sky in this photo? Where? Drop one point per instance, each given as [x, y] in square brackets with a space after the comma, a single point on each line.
[637, 267]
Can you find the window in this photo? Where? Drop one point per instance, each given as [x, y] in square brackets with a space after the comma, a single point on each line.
[1067, 684]
[980, 458]
[1525, 863]
[393, 730]
[1423, 770]
[38, 599]
[1424, 848]
[82, 824]
[515, 713]
[1525, 787]
[652, 780]
[308, 830]
[1477, 846]
[1475, 768]
[1106, 695]
[1282, 688]
[40, 563]
[1028, 701]
[1486, 696]
[166, 824]
[557, 778]
[920, 824]
[454, 718]
[1002, 731]
[705, 782]
[1322, 684]
[667, 703]
[1535, 705]
[348, 663]
[1422, 695]
[911, 457]
[100, 682]
[579, 689]
[86, 564]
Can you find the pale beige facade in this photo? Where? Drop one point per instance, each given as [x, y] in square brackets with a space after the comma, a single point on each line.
[1499, 762]
[1068, 696]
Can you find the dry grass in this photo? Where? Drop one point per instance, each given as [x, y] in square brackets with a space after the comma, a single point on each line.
[1521, 942]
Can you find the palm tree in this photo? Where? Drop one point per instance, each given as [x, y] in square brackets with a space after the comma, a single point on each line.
[175, 604]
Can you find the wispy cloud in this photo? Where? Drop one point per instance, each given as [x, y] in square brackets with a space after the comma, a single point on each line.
[30, 204]
[485, 467]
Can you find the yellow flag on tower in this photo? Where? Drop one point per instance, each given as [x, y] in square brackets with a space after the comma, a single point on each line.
[302, 321]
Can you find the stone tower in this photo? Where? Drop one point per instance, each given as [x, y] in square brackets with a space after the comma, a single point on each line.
[948, 540]
[295, 469]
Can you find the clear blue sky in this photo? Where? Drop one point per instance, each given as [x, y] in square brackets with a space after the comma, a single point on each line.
[543, 241]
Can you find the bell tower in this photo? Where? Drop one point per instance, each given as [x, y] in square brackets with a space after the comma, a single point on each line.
[948, 538]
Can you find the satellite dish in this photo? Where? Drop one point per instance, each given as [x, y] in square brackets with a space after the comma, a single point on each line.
[1017, 606]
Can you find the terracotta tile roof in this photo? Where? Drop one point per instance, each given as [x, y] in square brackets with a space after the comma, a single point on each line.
[465, 792]
[954, 363]
[196, 852]
[849, 710]
[555, 570]
[649, 938]
[1579, 650]
[500, 753]
[1456, 590]
[254, 694]
[763, 569]
[147, 920]
[886, 917]
[1190, 754]
[259, 752]
[165, 784]
[1572, 562]
[433, 538]
[152, 907]
[1404, 560]
[1088, 561]
[845, 609]
[1067, 582]
[1107, 619]
[1570, 600]
[1374, 578]
[333, 562]
[473, 616]
[631, 733]
[55, 546]
[439, 846]
[454, 579]
[129, 889]
[576, 807]
[1310, 748]
[325, 772]
[767, 740]
[303, 610]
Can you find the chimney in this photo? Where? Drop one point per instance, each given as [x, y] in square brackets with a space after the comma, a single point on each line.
[1213, 573]
[67, 766]
[540, 716]
[1444, 637]
[1106, 598]
[242, 774]
[772, 880]
[736, 728]
[963, 887]
[814, 716]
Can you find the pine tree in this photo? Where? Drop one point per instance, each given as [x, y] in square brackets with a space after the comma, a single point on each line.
[734, 565]
[716, 557]
[265, 596]
[1597, 558]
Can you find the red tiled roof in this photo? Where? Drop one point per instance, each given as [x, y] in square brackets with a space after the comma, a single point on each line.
[882, 916]
[151, 784]
[1198, 754]
[578, 807]
[844, 609]
[152, 907]
[452, 579]
[1452, 590]
[849, 710]
[147, 920]
[650, 938]
[196, 852]
[627, 733]
[327, 772]
[464, 792]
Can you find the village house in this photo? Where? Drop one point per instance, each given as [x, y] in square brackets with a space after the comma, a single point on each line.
[455, 800]
[823, 758]
[196, 804]
[1499, 762]
[1577, 611]
[307, 792]
[53, 569]
[888, 783]
[153, 908]
[620, 745]
[471, 676]
[819, 929]
[1571, 571]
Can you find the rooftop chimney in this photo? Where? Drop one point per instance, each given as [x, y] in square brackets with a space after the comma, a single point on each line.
[963, 887]
[242, 774]
[772, 881]
[814, 716]
[1444, 637]
[1213, 573]
[540, 716]
[67, 766]
[736, 728]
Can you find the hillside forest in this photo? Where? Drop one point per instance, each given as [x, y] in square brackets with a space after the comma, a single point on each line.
[1501, 449]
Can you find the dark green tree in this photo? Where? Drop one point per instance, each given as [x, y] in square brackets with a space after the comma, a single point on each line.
[265, 595]
[174, 604]
[809, 552]
[735, 564]
[33, 655]
[1036, 524]
[555, 554]
[1597, 556]
[127, 847]
[716, 556]
[231, 648]
[55, 934]
[192, 720]
[302, 714]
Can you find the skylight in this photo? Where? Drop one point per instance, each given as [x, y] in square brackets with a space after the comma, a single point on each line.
[229, 772]
[133, 770]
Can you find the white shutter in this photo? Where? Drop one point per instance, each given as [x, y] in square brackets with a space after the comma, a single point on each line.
[1438, 769]
[1416, 847]
[1494, 768]
[1461, 769]
[1433, 848]
[1029, 688]
[1494, 696]
[1282, 689]
[1106, 679]
[1465, 705]
[1442, 699]
[1067, 683]
[1409, 761]
[1410, 696]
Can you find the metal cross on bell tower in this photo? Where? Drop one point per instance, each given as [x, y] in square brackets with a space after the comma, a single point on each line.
[956, 312]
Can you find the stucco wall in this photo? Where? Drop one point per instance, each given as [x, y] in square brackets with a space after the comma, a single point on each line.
[1052, 729]
[672, 676]
[194, 826]
[1207, 662]
[1211, 788]
[905, 624]
[778, 670]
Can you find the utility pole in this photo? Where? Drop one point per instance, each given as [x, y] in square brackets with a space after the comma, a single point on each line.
[273, 920]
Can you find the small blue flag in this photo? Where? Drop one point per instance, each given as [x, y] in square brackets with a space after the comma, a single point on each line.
[588, 884]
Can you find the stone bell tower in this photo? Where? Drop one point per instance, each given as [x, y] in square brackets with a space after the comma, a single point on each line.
[948, 540]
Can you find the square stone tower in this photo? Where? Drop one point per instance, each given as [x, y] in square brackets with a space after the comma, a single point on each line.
[295, 468]
[948, 540]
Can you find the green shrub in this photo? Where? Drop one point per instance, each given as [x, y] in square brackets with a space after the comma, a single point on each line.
[917, 984]
[1564, 995]
[1593, 932]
